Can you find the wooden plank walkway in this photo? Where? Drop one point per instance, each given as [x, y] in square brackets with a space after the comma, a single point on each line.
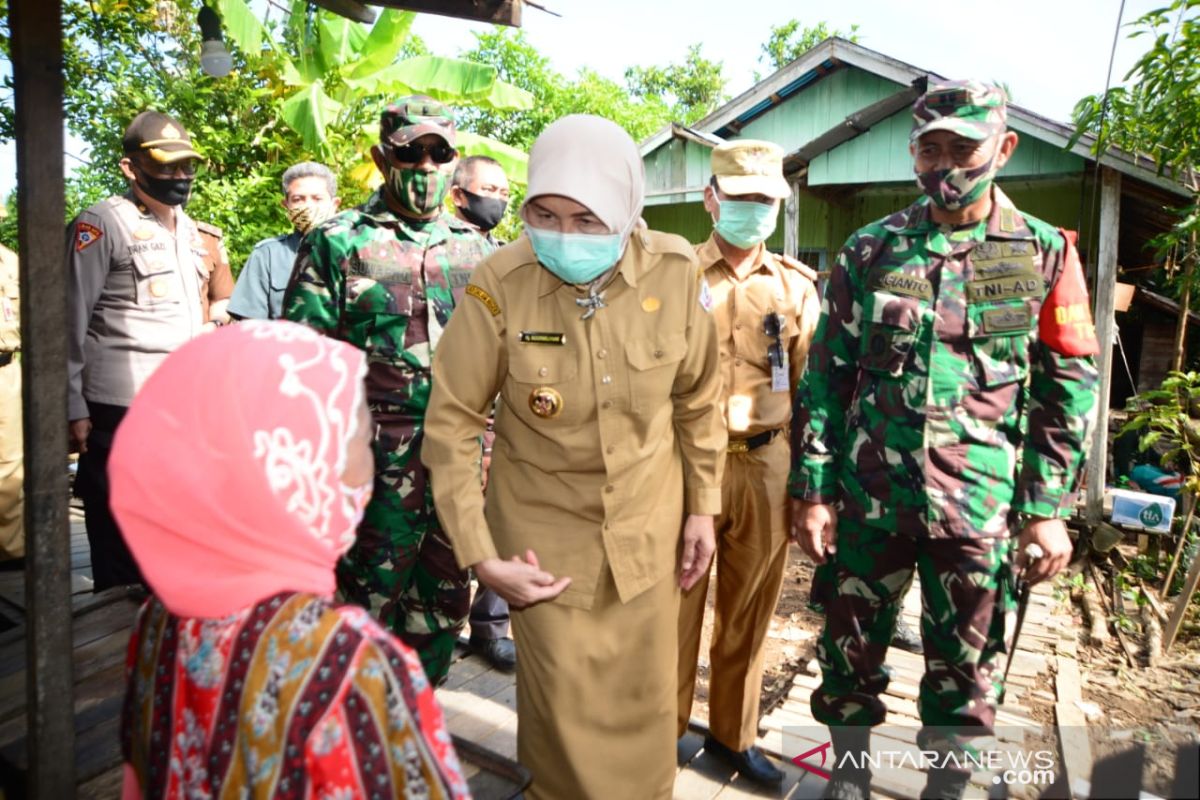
[1046, 623]
[480, 702]
[100, 625]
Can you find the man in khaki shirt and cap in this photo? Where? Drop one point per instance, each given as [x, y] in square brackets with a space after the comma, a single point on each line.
[766, 309]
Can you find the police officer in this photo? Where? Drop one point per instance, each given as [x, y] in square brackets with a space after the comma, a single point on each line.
[309, 198]
[386, 277]
[593, 333]
[766, 308]
[139, 278]
[12, 456]
[941, 427]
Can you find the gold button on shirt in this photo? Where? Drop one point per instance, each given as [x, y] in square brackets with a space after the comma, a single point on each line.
[608, 430]
[740, 305]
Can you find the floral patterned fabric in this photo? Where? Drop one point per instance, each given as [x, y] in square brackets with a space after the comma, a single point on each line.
[292, 698]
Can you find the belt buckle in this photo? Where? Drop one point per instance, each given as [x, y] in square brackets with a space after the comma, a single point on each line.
[738, 446]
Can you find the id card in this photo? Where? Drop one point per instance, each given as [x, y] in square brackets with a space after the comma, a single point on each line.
[779, 376]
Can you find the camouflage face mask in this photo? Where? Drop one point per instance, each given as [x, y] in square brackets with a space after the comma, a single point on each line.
[952, 189]
[417, 191]
[305, 218]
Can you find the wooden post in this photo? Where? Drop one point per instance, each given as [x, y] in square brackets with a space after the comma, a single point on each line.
[37, 60]
[1106, 287]
[791, 222]
[1181, 603]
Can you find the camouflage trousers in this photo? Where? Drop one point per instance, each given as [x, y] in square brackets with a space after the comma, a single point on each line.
[967, 602]
[402, 567]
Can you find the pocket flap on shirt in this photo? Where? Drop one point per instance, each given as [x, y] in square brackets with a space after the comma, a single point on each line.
[648, 354]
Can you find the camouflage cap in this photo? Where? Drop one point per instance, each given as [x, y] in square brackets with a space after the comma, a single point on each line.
[969, 108]
[750, 166]
[415, 116]
[159, 136]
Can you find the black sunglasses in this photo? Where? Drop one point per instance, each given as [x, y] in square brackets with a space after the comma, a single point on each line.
[440, 153]
[772, 324]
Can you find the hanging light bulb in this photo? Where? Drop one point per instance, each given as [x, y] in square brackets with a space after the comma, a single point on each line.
[214, 58]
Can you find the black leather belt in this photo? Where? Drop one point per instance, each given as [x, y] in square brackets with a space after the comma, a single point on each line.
[753, 443]
[7, 358]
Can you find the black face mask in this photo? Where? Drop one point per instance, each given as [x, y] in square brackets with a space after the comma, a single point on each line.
[483, 212]
[168, 191]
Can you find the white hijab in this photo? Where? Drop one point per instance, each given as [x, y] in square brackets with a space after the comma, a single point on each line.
[594, 162]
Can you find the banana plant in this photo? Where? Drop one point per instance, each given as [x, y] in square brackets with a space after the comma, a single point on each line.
[337, 74]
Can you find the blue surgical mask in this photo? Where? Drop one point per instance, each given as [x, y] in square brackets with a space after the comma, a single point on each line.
[744, 224]
[575, 257]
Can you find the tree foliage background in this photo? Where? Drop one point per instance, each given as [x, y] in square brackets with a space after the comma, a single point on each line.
[1155, 113]
[308, 85]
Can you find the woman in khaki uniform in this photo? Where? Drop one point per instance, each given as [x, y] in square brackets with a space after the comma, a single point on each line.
[605, 469]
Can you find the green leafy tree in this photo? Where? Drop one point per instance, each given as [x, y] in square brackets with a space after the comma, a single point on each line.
[790, 40]
[555, 95]
[306, 85]
[689, 90]
[1156, 113]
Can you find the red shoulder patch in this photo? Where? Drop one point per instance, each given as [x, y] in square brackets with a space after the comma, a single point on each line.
[86, 235]
[1065, 323]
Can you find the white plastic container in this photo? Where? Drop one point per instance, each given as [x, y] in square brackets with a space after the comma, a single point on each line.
[1149, 512]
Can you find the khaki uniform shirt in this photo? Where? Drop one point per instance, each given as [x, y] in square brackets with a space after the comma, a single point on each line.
[134, 296]
[218, 276]
[607, 429]
[752, 400]
[10, 302]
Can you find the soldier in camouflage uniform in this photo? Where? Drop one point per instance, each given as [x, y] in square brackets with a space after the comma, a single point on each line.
[944, 415]
[385, 278]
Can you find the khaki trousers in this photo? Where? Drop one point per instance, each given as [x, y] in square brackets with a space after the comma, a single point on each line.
[12, 463]
[596, 695]
[752, 544]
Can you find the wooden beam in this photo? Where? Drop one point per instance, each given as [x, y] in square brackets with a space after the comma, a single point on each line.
[1181, 603]
[37, 61]
[1106, 289]
[791, 222]
[497, 12]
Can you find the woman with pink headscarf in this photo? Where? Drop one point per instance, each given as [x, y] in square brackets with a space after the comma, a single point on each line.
[238, 479]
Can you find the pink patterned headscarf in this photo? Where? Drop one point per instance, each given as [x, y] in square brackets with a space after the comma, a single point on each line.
[226, 471]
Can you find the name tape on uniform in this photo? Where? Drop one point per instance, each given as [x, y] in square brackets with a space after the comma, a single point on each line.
[485, 298]
[542, 337]
[1006, 288]
[899, 283]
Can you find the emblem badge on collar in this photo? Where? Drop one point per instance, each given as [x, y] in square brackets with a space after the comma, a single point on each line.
[545, 402]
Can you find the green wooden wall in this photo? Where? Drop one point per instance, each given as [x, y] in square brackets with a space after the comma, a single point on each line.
[824, 227]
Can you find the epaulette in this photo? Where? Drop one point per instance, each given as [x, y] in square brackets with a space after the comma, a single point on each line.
[798, 266]
[211, 230]
[665, 243]
[511, 256]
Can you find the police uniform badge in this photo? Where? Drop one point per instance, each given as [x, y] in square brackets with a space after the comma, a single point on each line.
[86, 235]
[545, 402]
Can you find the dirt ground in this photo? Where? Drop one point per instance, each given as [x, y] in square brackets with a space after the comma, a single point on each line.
[1158, 707]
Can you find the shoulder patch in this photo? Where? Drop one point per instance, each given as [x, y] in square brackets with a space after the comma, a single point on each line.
[659, 242]
[482, 296]
[86, 235]
[706, 298]
[1065, 322]
[211, 230]
[798, 266]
